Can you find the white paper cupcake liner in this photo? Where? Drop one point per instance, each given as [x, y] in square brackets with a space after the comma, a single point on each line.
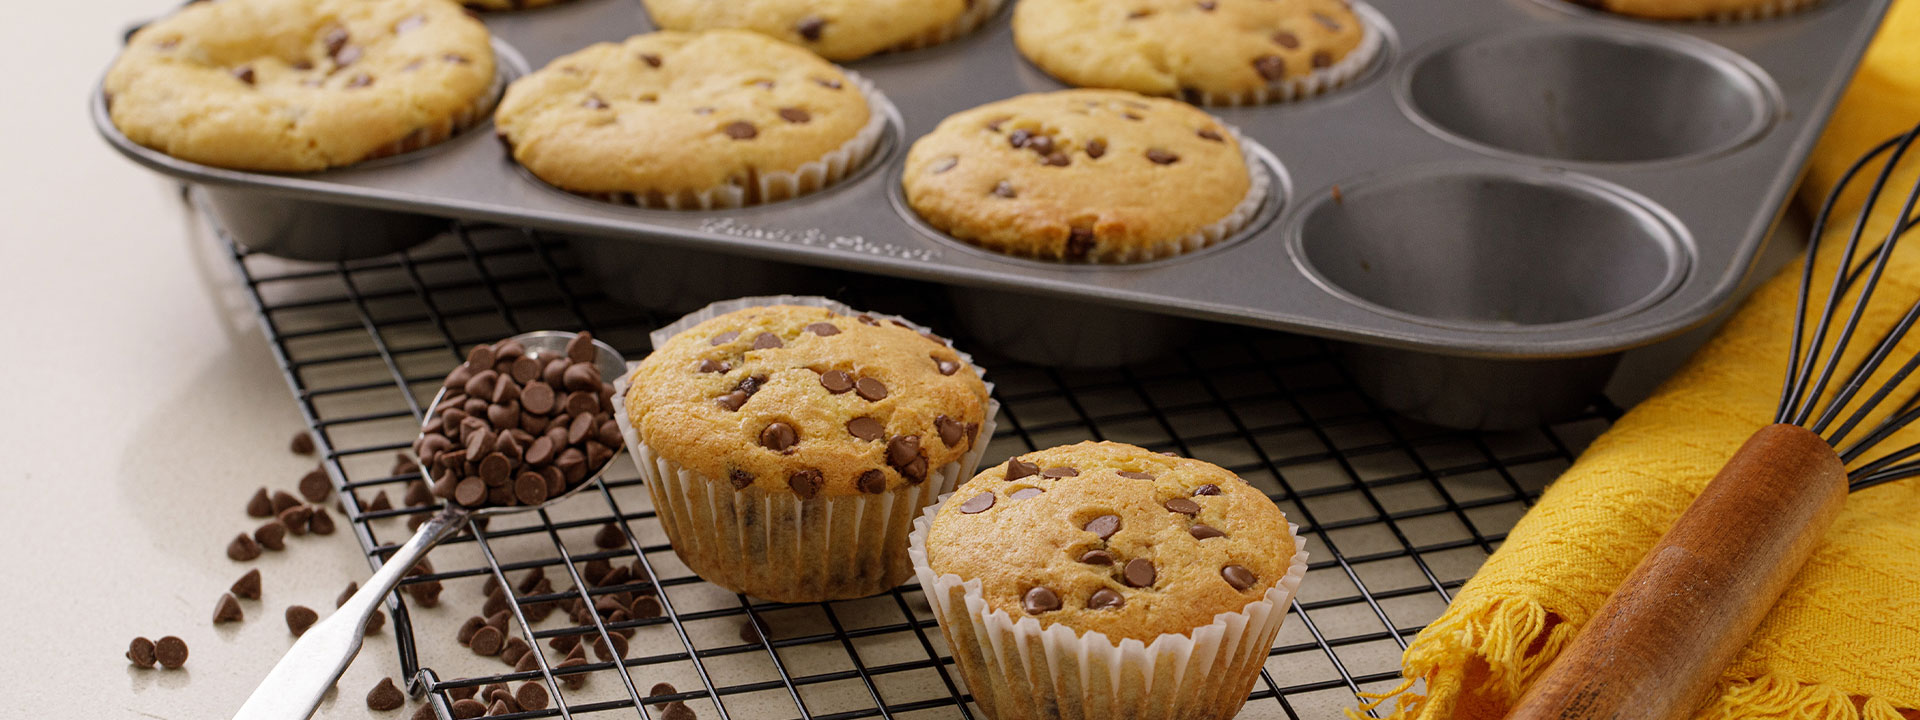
[962, 26]
[1259, 178]
[776, 185]
[774, 545]
[1018, 669]
[1331, 77]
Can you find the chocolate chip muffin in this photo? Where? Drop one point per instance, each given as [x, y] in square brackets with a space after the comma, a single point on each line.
[838, 30]
[789, 447]
[1216, 52]
[1084, 176]
[1096, 548]
[690, 120]
[301, 85]
[1721, 10]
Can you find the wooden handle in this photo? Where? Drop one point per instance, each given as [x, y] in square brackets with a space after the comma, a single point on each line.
[1660, 643]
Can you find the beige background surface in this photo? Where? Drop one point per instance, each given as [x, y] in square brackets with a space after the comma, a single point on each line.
[143, 407]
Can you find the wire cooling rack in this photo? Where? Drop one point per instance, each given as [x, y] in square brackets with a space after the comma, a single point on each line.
[1397, 515]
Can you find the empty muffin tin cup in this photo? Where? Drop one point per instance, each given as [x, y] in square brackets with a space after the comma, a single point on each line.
[1532, 249]
[1590, 94]
[316, 231]
[675, 280]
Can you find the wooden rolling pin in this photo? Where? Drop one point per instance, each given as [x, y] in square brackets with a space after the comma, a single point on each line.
[1660, 644]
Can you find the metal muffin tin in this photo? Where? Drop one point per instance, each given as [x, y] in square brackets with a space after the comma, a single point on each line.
[1515, 192]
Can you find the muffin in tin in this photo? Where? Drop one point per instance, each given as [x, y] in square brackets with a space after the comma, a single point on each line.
[1084, 176]
[838, 30]
[301, 85]
[1215, 52]
[789, 447]
[1135, 569]
[704, 120]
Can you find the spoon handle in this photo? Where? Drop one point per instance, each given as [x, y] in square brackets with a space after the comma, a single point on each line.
[294, 689]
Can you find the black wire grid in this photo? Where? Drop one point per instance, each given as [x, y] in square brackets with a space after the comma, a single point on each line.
[1396, 514]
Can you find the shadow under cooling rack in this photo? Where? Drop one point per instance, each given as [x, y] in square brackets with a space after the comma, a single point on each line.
[1397, 515]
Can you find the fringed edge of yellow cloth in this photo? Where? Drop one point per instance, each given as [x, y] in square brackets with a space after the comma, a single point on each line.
[1504, 642]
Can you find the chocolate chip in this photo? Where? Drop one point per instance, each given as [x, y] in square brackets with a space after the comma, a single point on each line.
[380, 502]
[1039, 600]
[1207, 5]
[530, 488]
[714, 366]
[767, 341]
[1327, 22]
[1210, 134]
[283, 500]
[810, 27]
[660, 689]
[243, 548]
[836, 381]
[359, 80]
[951, 433]
[1321, 59]
[1059, 472]
[466, 708]
[486, 641]
[1162, 157]
[828, 83]
[593, 102]
[315, 487]
[1024, 493]
[870, 389]
[171, 652]
[824, 329]
[946, 367]
[741, 130]
[1096, 557]
[806, 483]
[302, 443]
[248, 586]
[1019, 138]
[1207, 489]
[740, 478]
[1139, 573]
[580, 348]
[468, 628]
[1104, 526]
[944, 164]
[531, 696]
[385, 696]
[1203, 532]
[1132, 116]
[1182, 506]
[581, 377]
[227, 610]
[260, 505]
[1056, 160]
[1080, 243]
[872, 481]
[1286, 40]
[866, 428]
[779, 437]
[272, 535]
[299, 618]
[1004, 190]
[336, 39]
[724, 338]
[795, 115]
[140, 652]
[1237, 576]
[470, 492]
[1017, 468]
[650, 59]
[1041, 144]
[1270, 67]
[677, 710]
[977, 504]
[1104, 598]
[902, 450]
[320, 523]
[579, 403]
[1096, 148]
[1130, 474]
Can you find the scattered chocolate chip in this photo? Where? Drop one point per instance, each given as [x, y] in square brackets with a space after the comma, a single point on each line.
[741, 130]
[315, 487]
[1104, 526]
[1059, 472]
[1204, 532]
[1182, 505]
[1138, 573]
[499, 707]
[1270, 67]
[660, 689]
[779, 437]
[248, 586]
[243, 548]
[260, 505]
[946, 367]
[1207, 489]
[467, 708]
[806, 483]
[1104, 598]
[1002, 189]
[677, 710]
[1096, 557]
[977, 504]
[944, 164]
[531, 696]
[302, 443]
[1237, 576]
[1024, 493]
[385, 696]
[486, 641]
[140, 652]
[1096, 148]
[1162, 157]
[866, 428]
[1135, 475]
[283, 500]
[299, 618]
[171, 652]
[609, 537]
[272, 535]
[227, 610]
[870, 389]
[380, 502]
[872, 481]
[320, 523]
[795, 115]
[767, 341]
[1017, 468]
[1039, 600]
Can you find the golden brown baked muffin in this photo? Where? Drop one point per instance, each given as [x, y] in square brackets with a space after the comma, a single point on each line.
[1699, 9]
[1083, 176]
[1096, 548]
[708, 119]
[802, 409]
[300, 85]
[838, 30]
[1231, 52]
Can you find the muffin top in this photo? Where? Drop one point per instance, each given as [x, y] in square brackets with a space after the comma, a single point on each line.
[836, 29]
[1174, 47]
[670, 112]
[1077, 175]
[803, 400]
[1108, 537]
[298, 85]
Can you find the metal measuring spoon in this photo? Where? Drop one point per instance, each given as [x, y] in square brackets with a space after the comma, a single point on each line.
[295, 686]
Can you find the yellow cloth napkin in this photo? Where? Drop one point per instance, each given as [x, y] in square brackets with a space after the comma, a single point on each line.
[1844, 641]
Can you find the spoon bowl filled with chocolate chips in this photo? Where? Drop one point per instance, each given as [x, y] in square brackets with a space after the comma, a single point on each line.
[523, 423]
